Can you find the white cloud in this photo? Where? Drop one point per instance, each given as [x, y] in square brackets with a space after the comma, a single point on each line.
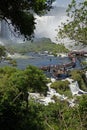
[64, 3]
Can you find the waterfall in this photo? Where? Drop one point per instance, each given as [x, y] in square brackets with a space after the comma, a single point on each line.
[47, 99]
[5, 32]
[46, 25]
[8, 34]
[74, 87]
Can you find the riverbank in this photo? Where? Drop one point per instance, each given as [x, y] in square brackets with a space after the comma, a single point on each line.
[32, 56]
[19, 56]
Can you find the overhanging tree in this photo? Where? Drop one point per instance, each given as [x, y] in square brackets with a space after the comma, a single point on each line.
[20, 13]
[76, 28]
[15, 113]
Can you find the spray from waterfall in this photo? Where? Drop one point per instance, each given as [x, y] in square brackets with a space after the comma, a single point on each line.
[46, 25]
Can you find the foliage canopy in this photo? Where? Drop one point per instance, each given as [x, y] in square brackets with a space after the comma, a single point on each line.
[76, 28]
[18, 113]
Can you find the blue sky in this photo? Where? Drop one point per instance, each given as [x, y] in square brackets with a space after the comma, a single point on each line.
[64, 3]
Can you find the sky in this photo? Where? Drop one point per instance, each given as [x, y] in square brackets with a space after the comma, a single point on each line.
[64, 3]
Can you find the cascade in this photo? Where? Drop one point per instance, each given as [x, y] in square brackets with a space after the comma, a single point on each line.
[47, 99]
[46, 25]
[74, 87]
[7, 32]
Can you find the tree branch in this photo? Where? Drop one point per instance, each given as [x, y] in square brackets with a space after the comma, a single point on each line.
[17, 97]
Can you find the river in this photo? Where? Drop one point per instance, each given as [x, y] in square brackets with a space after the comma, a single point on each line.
[39, 60]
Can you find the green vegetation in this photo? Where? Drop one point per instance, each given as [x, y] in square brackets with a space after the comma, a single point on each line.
[62, 87]
[2, 51]
[17, 112]
[44, 44]
[13, 62]
[79, 76]
[84, 63]
[76, 29]
[36, 80]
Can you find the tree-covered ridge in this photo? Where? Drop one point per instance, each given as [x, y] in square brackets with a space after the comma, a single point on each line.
[19, 12]
[17, 112]
[76, 28]
[44, 44]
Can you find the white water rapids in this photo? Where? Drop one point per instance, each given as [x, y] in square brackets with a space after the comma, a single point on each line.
[74, 88]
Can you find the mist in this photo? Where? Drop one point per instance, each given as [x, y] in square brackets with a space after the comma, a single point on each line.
[46, 25]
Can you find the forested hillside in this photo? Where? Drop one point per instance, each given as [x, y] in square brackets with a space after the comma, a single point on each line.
[43, 44]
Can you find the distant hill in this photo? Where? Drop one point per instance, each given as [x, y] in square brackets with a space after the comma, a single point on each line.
[39, 45]
[42, 40]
